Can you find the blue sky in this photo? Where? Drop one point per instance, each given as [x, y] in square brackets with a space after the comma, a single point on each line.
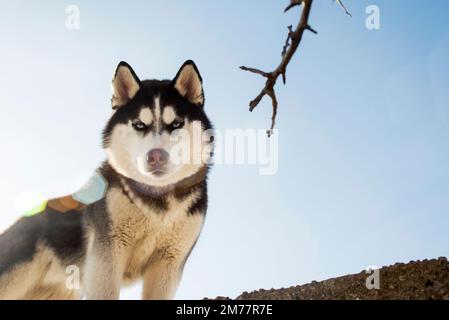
[363, 126]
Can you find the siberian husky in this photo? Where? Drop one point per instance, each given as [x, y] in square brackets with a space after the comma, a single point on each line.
[142, 212]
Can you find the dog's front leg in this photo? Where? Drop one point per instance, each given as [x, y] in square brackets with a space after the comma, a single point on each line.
[161, 279]
[102, 272]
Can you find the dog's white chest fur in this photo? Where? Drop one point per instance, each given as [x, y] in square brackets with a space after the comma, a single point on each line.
[144, 236]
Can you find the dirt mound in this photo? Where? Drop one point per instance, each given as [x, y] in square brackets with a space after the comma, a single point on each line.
[427, 279]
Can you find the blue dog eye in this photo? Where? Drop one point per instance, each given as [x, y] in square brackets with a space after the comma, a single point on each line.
[177, 124]
[139, 125]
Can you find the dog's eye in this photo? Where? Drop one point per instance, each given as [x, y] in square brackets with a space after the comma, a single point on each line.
[177, 124]
[139, 125]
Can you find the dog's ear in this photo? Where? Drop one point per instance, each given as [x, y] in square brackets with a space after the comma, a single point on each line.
[189, 84]
[124, 85]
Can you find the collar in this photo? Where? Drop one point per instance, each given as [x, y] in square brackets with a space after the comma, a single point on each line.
[179, 189]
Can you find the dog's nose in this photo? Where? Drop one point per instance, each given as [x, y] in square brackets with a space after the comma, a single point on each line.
[157, 157]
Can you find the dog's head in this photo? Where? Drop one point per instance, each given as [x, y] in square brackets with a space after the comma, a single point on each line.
[158, 133]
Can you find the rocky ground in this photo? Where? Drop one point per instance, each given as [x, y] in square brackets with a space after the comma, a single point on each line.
[427, 279]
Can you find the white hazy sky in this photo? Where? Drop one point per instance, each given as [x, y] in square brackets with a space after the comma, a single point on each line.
[363, 127]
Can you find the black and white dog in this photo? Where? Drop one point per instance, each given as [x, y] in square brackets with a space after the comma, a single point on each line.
[143, 211]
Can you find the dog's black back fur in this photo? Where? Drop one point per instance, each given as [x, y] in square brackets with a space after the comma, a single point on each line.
[62, 232]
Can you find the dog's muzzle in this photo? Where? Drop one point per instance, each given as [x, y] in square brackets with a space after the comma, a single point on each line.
[157, 160]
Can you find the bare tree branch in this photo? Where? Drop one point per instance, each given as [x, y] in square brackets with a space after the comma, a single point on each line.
[291, 45]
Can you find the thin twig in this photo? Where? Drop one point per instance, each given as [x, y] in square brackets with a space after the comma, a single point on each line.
[291, 45]
[343, 7]
[293, 3]
[257, 71]
[287, 41]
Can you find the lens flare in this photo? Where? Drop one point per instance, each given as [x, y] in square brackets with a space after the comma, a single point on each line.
[31, 202]
[38, 209]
